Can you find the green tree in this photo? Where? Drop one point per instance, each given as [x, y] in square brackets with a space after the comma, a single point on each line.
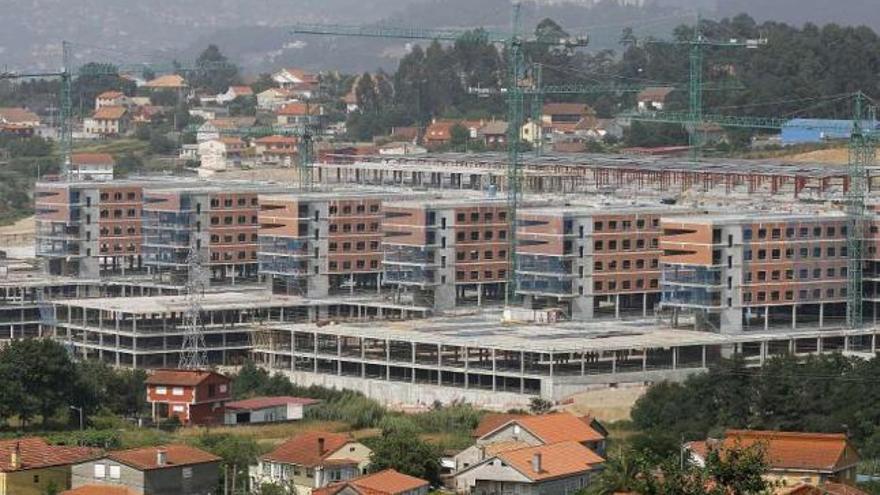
[214, 72]
[400, 448]
[540, 405]
[35, 376]
[621, 473]
[263, 82]
[459, 136]
[237, 453]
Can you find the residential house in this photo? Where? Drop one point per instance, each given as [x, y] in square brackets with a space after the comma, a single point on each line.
[108, 121]
[439, 133]
[827, 488]
[144, 114]
[299, 114]
[494, 134]
[111, 99]
[209, 113]
[18, 121]
[302, 83]
[92, 166]
[172, 82]
[100, 490]
[276, 149]
[406, 133]
[193, 396]
[208, 131]
[30, 466]
[560, 468]
[386, 482]
[401, 148]
[351, 102]
[653, 98]
[220, 154]
[274, 98]
[164, 470]
[312, 460]
[503, 432]
[235, 92]
[267, 409]
[792, 458]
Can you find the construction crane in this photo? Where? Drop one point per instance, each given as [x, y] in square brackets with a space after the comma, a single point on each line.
[512, 42]
[696, 47]
[863, 143]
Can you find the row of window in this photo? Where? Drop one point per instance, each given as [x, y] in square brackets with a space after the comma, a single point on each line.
[475, 275]
[117, 196]
[241, 255]
[346, 210]
[347, 227]
[475, 255]
[612, 265]
[600, 285]
[228, 202]
[359, 265]
[118, 248]
[474, 217]
[474, 235]
[131, 230]
[118, 213]
[803, 294]
[228, 239]
[802, 232]
[803, 253]
[803, 274]
[624, 224]
[358, 246]
[229, 220]
[625, 244]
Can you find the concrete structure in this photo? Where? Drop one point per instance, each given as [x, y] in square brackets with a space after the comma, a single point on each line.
[163, 470]
[590, 261]
[194, 397]
[480, 359]
[147, 332]
[30, 466]
[747, 272]
[276, 150]
[92, 166]
[218, 155]
[266, 410]
[443, 253]
[324, 243]
[312, 460]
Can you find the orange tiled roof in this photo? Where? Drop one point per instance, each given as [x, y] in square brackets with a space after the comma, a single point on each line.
[100, 490]
[15, 115]
[242, 90]
[109, 113]
[490, 422]
[170, 81]
[558, 427]
[557, 460]
[36, 454]
[111, 95]
[827, 488]
[386, 482]
[92, 159]
[824, 452]
[567, 109]
[185, 378]
[302, 75]
[145, 458]
[296, 109]
[304, 449]
[656, 93]
[440, 130]
[276, 140]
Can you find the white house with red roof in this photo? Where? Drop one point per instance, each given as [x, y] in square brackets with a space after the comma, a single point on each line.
[92, 166]
[108, 121]
[111, 99]
[267, 409]
[235, 92]
[312, 460]
[31, 465]
[301, 82]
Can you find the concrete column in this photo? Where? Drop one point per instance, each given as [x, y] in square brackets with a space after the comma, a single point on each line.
[821, 315]
[466, 366]
[583, 363]
[494, 371]
[645, 305]
[387, 359]
[763, 353]
[766, 317]
[793, 316]
[479, 294]
[675, 358]
[315, 352]
[704, 355]
[440, 364]
[818, 344]
[614, 362]
[551, 365]
[644, 360]
[379, 283]
[363, 358]
[338, 355]
[617, 306]
[522, 372]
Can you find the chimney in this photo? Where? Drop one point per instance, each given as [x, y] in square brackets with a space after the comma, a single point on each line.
[15, 457]
[320, 445]
[536, 462]
[161, 457]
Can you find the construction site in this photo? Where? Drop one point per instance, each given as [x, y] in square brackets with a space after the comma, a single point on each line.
[491, 277]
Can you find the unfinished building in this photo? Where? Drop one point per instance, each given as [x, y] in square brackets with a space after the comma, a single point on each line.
[444, 253]
[590, 260]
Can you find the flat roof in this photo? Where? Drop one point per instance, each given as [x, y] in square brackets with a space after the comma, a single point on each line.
[486, 330]
[760, 217]
[219, 301]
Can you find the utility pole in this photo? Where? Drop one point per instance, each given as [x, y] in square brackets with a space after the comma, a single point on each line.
[192, 354]
[862, 155]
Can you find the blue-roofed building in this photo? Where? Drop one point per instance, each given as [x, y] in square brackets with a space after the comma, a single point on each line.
[799, 131]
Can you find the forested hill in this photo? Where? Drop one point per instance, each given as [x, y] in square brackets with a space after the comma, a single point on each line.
[798, 12]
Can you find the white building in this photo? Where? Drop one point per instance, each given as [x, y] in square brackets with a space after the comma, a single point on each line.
[266, 410]
[92, 166]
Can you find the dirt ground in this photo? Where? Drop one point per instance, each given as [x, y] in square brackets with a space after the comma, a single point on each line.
[18, 234]
[607, 404]
[834, 156]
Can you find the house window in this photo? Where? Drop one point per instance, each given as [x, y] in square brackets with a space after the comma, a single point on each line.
[177, 391]
[100, 471]
[187, 473]
[115, 472]
[177, 408]
[161, 390]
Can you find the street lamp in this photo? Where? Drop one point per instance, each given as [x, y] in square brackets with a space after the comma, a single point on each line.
[81, 424]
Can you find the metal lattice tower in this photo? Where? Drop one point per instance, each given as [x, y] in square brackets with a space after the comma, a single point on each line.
[306, 151]
[66, 137]
[862, 155]
[538, 108]
[192, 353]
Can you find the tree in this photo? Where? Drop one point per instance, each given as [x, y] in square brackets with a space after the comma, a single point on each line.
[214, 72]
[400, 448]
[459, 136]
[160, 144]
[728, 471]
[35, 376]
[264, 82]
[621, 473]
[540, 405]
[236, 452]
